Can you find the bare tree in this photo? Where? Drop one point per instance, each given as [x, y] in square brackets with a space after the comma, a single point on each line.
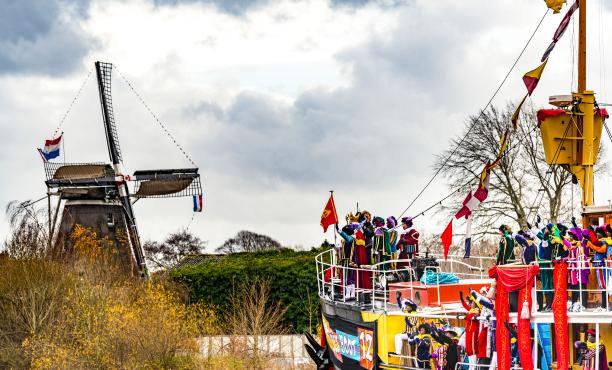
[522, 185]
[248, 241]
[176, 245]
[29, 236]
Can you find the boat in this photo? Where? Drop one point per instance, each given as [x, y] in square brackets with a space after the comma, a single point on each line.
[360, 325]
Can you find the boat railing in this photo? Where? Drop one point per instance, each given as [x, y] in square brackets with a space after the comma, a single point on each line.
[331, 274]
[602, 272]
[474, 366]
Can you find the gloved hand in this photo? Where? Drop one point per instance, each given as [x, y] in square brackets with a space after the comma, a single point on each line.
[460, 317]
[528, 225]
[538, 219]
[577, 344]
[574, 222]
[337, 228]
[461, 295]
[398, 296]
[474, 294]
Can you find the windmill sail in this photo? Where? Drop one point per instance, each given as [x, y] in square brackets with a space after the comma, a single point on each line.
[103, 71]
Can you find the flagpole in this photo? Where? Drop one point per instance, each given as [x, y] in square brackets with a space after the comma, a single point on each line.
[64, 148]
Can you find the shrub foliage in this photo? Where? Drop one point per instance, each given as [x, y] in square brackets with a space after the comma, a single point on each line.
[292, 277]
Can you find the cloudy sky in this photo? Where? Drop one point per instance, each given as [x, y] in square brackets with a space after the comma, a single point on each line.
[276, 101]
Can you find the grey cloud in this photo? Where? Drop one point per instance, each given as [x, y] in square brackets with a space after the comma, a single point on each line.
[239, 7]
[35, 39]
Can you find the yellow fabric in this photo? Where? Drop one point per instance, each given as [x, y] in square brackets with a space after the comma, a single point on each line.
[503, 142]
[513, 340]
[537, 73]
[515, 116]
[422, 336]
[555, 5]
[592, 345]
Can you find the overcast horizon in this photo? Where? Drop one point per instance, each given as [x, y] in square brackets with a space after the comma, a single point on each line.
[276, 101]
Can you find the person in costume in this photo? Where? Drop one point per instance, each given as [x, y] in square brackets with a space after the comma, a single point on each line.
[409, 238]
[406, 306]
[393, 238]
[363, 278]
[447, 354]
[487, 352]
[472, 329]
[546, 272]
[382, 246]
[423, 343]
[528, 251]
[600, 243]
[589, 350]
[347, 258]
[559, 249]
[506, 246]
[368, 234]
[579, 273]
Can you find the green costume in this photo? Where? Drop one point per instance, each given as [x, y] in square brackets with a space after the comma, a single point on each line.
[506, 249]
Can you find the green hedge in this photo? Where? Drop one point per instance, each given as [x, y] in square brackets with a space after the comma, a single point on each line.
[293, 276]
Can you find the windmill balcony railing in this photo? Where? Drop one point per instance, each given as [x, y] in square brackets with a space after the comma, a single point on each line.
[331, 287]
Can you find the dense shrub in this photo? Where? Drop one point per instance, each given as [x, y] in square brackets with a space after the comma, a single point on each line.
[292, 278]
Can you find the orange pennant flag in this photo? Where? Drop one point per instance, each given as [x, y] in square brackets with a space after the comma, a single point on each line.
[329, 216]
[515, 116]
[532, 78]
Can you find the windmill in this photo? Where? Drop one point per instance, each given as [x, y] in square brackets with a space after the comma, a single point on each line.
[97, 195]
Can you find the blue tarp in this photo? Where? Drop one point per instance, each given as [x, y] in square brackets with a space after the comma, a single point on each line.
[431, 277]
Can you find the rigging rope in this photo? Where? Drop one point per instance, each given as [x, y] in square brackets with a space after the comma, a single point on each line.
[73, 100]
[157, 119]
[549, 172]
[477, 176]
[481, 113]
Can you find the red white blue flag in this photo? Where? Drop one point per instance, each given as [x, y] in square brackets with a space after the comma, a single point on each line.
[197, 203]
[51, 149]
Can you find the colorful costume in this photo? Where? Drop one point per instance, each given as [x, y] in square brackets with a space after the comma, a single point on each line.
[506, 247]
[589, 350]
[382, 245]
[347, 259]
[529, 249]
[423, 343]
[471, 332]
[447, 353]
[409, 238]
[579, 275]
[486, 339]
[407, 306]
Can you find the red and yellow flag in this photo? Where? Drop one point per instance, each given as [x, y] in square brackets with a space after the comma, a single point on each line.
[532, 78]
[515, 116]
[329, 216]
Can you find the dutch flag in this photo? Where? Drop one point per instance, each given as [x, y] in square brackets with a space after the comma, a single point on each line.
[197, 203]
[51, 150]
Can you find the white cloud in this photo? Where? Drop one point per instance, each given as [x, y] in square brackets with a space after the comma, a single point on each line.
[282, 103]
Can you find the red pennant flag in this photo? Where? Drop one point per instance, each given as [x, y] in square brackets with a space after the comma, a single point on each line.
[447, 238]
[329, 216]
[532, 78]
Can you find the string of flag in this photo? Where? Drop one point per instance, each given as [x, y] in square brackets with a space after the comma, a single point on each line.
[157, 119]
[531, 80]
[73, 100]
[187, 229]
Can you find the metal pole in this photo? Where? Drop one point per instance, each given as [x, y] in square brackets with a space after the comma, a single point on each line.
[49, 214]
[597, 345]
[582, 46]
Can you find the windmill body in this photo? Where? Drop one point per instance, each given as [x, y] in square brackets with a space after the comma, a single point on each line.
[97, 195]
